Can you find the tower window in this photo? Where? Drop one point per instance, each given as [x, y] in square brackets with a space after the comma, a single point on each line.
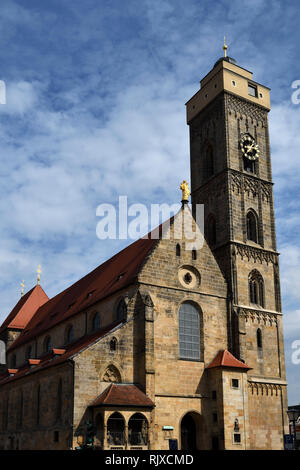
[122, 310]
[249, 165]
[235, 383]
[194, 254]
[233, 83]
[236, 438]
[113, 344]
[256, 288]
[178, 250]
[189, 332]
[252, 90]
[252, 226]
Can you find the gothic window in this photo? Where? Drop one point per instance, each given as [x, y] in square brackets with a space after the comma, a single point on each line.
[47, 344]
[111, 374]
[96, 322]
[277, 293]
[122, 310]
[178, 250]
[259, 338]
[252, 226]
[194, 254]
[189, 332]
[256, 288]
[69, 335]
[211, 230]
[113, 344]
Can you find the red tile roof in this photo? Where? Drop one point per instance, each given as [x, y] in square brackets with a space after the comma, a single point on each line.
[123, 395]
[51, 359]
[103, 281]
[24, 310]
[225, 359]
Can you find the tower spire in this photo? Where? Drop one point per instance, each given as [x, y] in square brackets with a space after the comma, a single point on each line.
[225, 47]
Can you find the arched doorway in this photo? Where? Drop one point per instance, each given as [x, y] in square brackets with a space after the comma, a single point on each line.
[138, 430]
[116, 430]
[188, 433]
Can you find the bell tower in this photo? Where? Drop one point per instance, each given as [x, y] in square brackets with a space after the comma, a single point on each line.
[231, 175]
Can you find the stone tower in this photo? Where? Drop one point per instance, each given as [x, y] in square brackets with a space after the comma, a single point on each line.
[231, 175]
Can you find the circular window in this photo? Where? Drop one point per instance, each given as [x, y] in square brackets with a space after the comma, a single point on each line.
[189, 277]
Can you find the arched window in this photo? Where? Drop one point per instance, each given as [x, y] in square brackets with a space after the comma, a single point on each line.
[59, 400]
[256, 288]
[178, 250]
[122, 310]
[47, 344]
[189, 332]
[194, 254]
[259, 338]
[252, 226]
[96, 322]
[113, 344]
[211, 230]
[69, 335]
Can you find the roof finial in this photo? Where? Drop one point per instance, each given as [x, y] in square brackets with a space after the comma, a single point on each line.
[185, 191]
[22, 288]
[39, 273]
[225, 47]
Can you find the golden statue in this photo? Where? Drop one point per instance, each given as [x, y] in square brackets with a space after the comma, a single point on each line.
[22, 288]
[185, 190]
[39, 273]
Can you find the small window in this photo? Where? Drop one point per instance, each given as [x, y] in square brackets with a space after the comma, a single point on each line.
[194, 255]
[113, 344]
[69, 334]
[233, 83]
[122, 310]
[260, 95]
[214, 395]
[13, 361]
[178, 250]
[236, 438]
[259, 338]
[252, 226]
[47, 344]
[235, 383]
[252, 90]
[29, 352]
[96, 322]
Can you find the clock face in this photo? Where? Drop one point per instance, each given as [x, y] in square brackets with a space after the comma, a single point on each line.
[249, 147]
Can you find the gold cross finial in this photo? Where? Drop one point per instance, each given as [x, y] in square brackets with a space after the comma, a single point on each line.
[225, 47]
[22, 288]
[39, 273]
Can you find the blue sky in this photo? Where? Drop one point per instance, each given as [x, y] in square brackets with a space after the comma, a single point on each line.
[95, 108]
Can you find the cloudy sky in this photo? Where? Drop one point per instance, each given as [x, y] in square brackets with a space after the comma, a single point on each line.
[95, 109]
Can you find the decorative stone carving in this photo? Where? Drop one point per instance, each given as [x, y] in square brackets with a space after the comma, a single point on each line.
[257, 316]
[257, 254]
[111, 375]
[243, 107]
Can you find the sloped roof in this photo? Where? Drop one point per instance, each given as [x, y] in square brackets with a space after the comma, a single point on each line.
[225, 359]
[122, 395]
[111, 276]
[54, 358]
[24, 310]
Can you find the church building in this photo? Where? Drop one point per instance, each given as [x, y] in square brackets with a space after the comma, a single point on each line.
[164, 347]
